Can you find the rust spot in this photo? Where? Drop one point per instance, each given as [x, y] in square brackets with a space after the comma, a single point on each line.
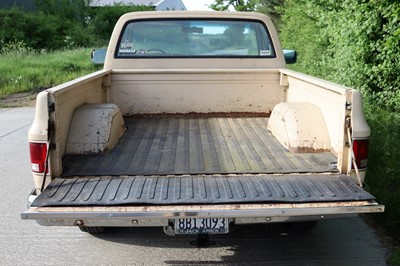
[306, 150]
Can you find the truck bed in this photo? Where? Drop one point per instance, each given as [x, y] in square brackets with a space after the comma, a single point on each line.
[197, 144]
[164, 160]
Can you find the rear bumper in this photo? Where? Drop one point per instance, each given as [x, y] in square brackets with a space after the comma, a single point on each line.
[153, 216]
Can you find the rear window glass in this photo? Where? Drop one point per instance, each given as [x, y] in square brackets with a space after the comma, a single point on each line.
[195, 38]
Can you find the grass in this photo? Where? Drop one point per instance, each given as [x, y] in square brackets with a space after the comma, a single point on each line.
[395, 258]
[31, 71]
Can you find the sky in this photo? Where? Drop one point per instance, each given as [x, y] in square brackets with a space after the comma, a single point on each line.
[197, 4]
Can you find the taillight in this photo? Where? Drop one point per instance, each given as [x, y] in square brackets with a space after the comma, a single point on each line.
[38, 152]
[360, 149]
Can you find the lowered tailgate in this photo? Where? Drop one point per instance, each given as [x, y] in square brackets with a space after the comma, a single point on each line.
[120, 200]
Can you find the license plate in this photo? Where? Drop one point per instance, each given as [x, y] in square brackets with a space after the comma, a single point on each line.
[202, 226]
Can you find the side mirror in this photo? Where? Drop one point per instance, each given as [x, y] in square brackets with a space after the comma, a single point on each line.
[98, 56]
[290, 56]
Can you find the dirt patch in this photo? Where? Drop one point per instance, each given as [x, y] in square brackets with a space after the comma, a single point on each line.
[27, 99]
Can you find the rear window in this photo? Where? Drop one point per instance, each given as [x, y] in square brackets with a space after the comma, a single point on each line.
[195, 38]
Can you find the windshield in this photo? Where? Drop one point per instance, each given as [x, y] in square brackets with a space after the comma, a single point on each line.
[195, 38]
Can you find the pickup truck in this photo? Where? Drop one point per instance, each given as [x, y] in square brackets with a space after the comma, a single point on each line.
[195, 125]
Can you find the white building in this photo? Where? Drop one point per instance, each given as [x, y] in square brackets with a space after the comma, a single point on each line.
[158, 4]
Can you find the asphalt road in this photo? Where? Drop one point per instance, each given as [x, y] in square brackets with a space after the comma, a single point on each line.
[332, 242]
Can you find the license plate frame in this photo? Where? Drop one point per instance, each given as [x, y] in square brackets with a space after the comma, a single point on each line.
[195, 226]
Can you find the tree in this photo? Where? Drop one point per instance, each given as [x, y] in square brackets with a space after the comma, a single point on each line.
[273, 8]
[354, 43]
[238, 5]
[70, 10]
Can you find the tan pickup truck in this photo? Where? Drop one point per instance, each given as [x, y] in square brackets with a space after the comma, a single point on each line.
[194, 125]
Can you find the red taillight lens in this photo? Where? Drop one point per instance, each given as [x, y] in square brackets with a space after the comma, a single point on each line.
[38, 152]
[360, 149]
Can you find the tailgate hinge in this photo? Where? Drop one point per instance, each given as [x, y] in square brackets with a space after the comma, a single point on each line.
[348, 122]
[349, 105]
[51, 107]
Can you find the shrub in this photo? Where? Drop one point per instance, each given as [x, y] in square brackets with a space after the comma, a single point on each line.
[14, 48]
[357, 43]
[59, 24]
[383, 178]
[39, 30]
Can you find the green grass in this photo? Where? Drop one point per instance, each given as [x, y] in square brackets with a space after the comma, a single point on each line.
[395, 258]
[31, 71]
